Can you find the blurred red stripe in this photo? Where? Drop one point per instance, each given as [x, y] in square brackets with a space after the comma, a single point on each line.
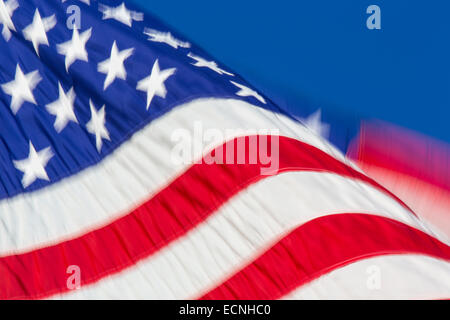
[414, 167]
[387, 146]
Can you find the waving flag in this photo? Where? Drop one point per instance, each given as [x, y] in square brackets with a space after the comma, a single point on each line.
[134, 165]
[413, 166]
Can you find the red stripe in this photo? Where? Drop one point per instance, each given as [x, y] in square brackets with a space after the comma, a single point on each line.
[320, 246]
[175, 210]
[399, 150]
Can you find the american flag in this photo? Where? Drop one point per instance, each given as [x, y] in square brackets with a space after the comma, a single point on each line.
[95, 98]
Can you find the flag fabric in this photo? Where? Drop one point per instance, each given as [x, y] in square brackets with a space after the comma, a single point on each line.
[112, 137]
[413, 166]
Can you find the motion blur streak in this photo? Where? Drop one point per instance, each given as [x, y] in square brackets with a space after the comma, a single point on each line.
[412, 166]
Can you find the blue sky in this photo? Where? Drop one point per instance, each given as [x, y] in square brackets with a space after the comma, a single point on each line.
[319, 54]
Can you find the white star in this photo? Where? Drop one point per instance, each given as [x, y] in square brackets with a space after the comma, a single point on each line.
[121, 14]
[165, 37]
[113, 67]
[313, 122]
[247, 92]
[6, 11]
[33, 167]
[62, 108]
[96, 126]
[154, 83]
[75, 49]
[21, 88]
[200, 62]
[36, 32]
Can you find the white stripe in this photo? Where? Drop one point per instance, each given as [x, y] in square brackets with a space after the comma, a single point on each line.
[241, 230]
[383, 277]
[129, 176]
